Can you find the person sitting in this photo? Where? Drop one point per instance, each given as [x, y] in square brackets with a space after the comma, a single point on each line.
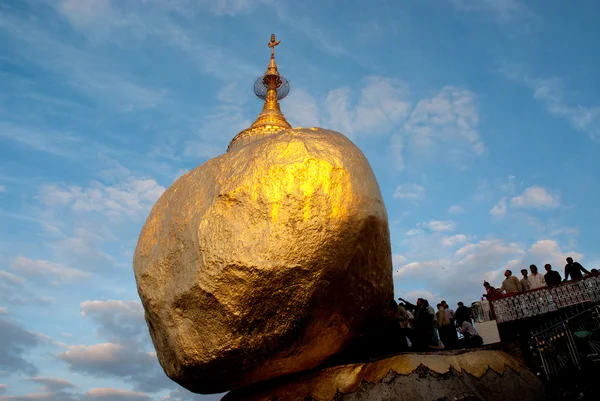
[535, 279]
[574, 270]
[552, 277]
[471, 339]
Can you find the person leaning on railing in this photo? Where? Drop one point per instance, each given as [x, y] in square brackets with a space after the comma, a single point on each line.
[552, 277]
[511, 285]
[535, 279]
[574, 270]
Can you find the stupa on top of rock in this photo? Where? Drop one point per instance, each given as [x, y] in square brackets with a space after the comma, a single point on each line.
[268, 259]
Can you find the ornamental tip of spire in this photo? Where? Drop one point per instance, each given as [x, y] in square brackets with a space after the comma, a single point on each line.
[272, 68]
[271, 88]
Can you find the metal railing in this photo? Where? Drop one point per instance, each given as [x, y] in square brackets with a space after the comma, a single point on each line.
[539, 301]
[570, 343]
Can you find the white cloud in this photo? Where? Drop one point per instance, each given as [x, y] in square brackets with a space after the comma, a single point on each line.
[552, 93]
[549, 251]
[457, 274]
[135, 197]
[117, 320]
[453, 240]
[106, 394]
[91, 16]
[447, 123]
[2, 188]
[51, 271]
[439, 225]
[409, 191]
[398, 259]
[413, 295]
[11, 277]
[45, 300]
[413, 232]
[535, 197]
[382, 105]
[499, 209]
[456, 209]
[397, 148]
[51, 385]
[503, 10]
[301, 109]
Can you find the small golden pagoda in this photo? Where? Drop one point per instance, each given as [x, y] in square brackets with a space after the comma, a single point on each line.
[271, 88]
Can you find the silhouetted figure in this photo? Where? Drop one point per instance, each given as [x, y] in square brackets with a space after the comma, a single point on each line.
[463, 313]
[524, 283]
[390, 338]
[552, 277]
[423, 329]
[574, 269]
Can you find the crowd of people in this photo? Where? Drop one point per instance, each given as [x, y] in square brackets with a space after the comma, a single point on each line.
[512, 285]
[419, 327]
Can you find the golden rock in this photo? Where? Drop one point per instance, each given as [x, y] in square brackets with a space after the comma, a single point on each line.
[264, 261]
[268, 259]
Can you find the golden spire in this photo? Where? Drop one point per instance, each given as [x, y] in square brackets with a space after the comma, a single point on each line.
[271, 87]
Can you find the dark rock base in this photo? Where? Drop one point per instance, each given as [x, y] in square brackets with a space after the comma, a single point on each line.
[487, 375]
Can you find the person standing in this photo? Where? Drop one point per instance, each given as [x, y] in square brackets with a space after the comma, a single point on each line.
[445, 327]
[511, 284]
[574, 270]
[463, 313]
[524, 283]
[535, 279]
[552, 277]
[449, 312]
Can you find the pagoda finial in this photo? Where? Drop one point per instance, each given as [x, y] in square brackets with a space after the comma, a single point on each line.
[272, 45]
[271, 88]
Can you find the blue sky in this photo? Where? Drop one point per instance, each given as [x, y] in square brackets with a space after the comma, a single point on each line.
[481, 120]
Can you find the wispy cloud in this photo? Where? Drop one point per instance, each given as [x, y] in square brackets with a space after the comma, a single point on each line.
[552, 93]
[409, 191]
[48, 270]
[131, 198]
[535, 197]
[439, 226]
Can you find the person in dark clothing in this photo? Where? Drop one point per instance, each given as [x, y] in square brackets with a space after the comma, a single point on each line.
[390, 338]
[574, 270]
[552, 277]
[463, 313]
[423, 329]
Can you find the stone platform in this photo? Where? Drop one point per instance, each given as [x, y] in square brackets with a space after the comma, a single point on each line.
[447, 375]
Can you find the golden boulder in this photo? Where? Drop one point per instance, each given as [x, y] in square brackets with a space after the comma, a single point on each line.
[264, 261]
